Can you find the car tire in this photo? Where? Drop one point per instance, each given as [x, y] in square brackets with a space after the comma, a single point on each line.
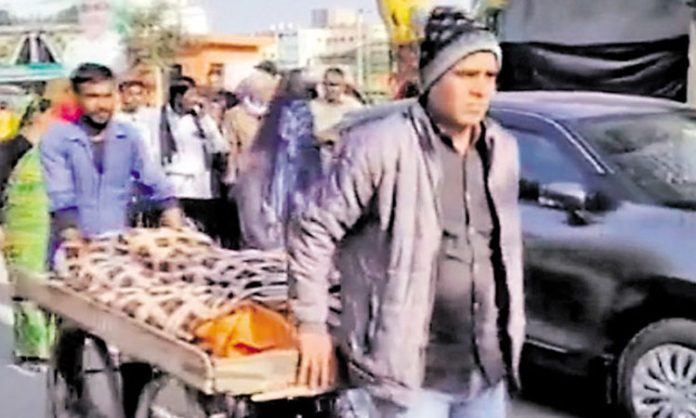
[657, 371]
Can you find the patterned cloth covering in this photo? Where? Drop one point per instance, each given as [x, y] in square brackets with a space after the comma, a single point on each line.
[176, 279]
[173, 279]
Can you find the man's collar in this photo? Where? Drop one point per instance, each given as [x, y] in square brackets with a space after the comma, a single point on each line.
[173, 113]
[423, 101]
[114, 130]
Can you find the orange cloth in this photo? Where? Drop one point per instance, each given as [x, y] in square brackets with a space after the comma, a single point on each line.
[250, 329]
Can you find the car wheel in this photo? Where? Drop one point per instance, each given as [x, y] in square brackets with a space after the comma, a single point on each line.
[657, 371]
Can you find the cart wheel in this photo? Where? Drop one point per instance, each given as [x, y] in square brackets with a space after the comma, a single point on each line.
[108, 368]
[147, 407]
[242, 408]
[165, 397]
[210, 406]
[57, 395]
[100, 398]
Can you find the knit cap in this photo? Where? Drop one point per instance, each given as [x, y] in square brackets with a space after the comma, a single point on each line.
[451, 35]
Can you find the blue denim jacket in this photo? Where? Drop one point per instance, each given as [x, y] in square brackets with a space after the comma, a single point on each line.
[100, 199]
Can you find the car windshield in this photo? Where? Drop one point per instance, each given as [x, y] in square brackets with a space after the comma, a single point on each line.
[656, 151]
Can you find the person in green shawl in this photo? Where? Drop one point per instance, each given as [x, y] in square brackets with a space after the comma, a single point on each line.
[25, 227]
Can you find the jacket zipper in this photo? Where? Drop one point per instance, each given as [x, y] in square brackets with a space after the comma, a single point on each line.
[99, 199]
[99, 175]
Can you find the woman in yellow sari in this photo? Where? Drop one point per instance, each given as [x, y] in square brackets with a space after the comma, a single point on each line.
[26, 227]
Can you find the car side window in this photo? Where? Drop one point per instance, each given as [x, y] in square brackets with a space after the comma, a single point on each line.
[542, 161]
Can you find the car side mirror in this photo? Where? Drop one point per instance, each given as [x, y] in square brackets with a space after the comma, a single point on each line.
[566, 196]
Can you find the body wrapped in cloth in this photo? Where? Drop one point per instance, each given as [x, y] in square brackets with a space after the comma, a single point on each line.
[229, 302]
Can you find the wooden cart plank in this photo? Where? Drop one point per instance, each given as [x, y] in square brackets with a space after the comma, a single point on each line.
[272, 370]
[132, 338]
[292, 392]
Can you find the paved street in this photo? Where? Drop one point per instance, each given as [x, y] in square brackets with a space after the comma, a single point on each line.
[23, 395]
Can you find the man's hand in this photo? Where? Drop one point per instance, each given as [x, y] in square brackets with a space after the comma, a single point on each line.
[328, 136]
[72, 236]
[73, 242]
[172, 218]
[317, 362]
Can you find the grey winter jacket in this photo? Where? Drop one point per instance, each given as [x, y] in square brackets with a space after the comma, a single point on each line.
[377, 217]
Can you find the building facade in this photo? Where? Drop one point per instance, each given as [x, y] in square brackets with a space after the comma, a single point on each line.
[339, 38]
[35, 42]
[230, 55]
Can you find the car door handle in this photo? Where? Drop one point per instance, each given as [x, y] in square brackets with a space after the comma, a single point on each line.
[580, 218]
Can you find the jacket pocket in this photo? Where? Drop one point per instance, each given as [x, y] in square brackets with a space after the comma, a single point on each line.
[372, 320]
[452, 244]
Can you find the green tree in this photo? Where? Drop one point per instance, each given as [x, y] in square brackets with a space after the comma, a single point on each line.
[152, 38]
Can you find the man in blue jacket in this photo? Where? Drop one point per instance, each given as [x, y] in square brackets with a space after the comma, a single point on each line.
[90, 170]
[90, 167]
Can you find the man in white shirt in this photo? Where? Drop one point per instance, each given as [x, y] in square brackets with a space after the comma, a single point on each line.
[97, 43]
[328, 111]
[190, 146]
[134, 110]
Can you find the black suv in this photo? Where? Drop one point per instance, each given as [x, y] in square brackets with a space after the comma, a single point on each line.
[608, 201]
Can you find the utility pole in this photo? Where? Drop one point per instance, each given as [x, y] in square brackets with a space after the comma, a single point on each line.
[360, 51]
[691, 76]
[368, 62]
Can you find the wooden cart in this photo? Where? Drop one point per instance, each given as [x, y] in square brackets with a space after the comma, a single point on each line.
[256, 378]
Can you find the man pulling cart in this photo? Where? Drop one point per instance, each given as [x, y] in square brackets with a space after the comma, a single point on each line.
[109, 283]
[89, 169]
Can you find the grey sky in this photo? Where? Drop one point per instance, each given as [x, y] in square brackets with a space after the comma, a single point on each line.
[235, 16]
[240, 16]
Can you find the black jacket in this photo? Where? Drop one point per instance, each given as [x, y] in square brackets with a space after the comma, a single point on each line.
[11, 151]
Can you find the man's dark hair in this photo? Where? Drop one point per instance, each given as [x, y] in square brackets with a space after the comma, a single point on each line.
[37, 107]
[231, 100]
[409, 90]
[179, 87]
[312, 93]
[131, 83]
[269, 67]
[335, 70]
[90, 73]
[184, 79]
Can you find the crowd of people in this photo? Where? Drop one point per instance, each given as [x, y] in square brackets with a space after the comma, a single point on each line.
[240, 152]
[91, 157]
[412, 205]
